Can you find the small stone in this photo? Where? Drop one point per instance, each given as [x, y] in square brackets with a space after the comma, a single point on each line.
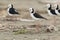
[13, 39]
[36, 39]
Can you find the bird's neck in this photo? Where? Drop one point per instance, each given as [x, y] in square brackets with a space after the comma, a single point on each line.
[49, 8]
[57, 8]
[10, 7]
[32, 12]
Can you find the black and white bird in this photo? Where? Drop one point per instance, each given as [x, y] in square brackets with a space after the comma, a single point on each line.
[37, 17]
[50, 10]
[57, 9]
[34, 15]
[11, 10]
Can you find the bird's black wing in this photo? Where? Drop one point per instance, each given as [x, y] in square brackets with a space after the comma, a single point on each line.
[59, 11]
[38, 16]
[12, 11]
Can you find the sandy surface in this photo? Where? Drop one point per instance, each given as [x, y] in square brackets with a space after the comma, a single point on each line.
[22, 6]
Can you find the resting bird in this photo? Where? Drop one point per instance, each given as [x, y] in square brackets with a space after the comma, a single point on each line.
[34, 15]
[11, 10]
[57, 9]
[50, 10]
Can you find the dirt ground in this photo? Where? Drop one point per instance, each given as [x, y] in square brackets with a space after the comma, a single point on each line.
[8, 24]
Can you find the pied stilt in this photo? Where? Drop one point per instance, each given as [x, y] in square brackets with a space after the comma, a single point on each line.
[11, 10]
[35, 16]
[57, 9]
[52, 12]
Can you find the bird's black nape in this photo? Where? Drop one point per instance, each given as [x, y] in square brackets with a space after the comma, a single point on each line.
[50, 7]
[12, 5]
[57, 7]
[32, 10]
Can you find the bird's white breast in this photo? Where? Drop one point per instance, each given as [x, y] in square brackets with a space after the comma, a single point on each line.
[34, 16]
[49, 12]
[8, 12]
[57, 12]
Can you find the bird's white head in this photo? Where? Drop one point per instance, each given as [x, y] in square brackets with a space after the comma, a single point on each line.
[48, 5]
[57, 7]
[31, 10]
[10, 6]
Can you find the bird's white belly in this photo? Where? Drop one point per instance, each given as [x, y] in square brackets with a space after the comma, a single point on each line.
[57, 12]
[8, 12]
[34, 17]
[49, 12]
